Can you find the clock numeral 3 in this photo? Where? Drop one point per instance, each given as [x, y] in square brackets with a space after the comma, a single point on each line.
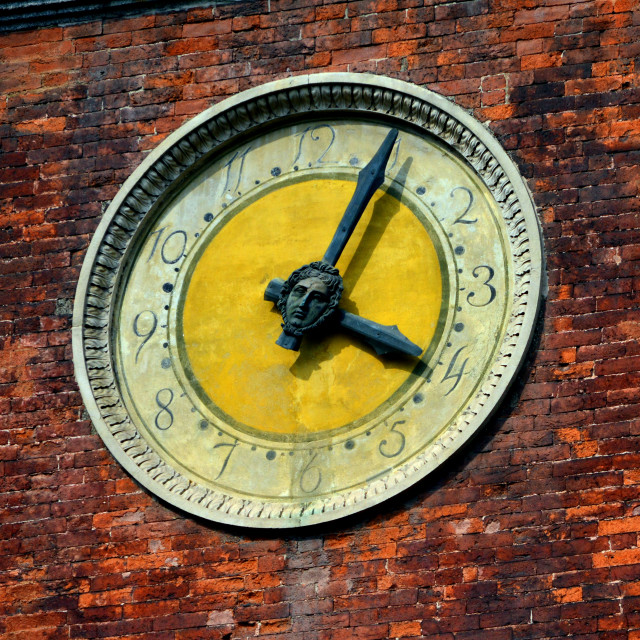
[164, 417]
[492, 289]
[141, 333]
[385, 447]
[313, 134]
[461, 218]
[311, 476]
[454, 375]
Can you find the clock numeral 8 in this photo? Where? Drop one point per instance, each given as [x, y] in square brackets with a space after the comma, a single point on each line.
[164, 417]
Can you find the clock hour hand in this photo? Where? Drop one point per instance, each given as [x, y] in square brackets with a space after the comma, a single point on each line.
[384, 339]
[369, 179]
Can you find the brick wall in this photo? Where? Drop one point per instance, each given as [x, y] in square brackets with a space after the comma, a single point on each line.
[531, 533]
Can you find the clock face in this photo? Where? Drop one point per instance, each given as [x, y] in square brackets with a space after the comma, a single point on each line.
[203, 406]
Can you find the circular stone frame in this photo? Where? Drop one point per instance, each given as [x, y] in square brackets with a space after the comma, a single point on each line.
[164, 170]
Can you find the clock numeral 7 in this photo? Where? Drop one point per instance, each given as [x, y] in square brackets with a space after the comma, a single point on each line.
[311, 476]
[385, 448]
[232, 446]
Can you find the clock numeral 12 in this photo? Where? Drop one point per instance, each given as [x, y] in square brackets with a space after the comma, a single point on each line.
[313, 134]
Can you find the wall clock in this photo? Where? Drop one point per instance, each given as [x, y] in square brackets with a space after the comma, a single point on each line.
[175, 344]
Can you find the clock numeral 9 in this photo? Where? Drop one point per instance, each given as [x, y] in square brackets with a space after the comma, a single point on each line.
[492, 289]
[164, 417]
[311, 476]
[385, 447]
[139, 331]
[173, 247]
[313, 134]
[454, 375]
[461, 218]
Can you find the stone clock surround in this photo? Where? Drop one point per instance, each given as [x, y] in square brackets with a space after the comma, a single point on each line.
[182, 153]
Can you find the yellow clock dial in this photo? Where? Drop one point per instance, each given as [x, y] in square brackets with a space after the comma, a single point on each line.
[186, 381]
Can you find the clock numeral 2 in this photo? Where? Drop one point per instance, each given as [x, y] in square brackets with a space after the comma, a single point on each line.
[311, 476]
[385, 447]
[461, 218]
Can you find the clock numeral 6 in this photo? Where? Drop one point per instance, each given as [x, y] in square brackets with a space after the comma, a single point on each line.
[492, 289]
[311, 476]
[385, 447]
[164, 417]
[173, 248]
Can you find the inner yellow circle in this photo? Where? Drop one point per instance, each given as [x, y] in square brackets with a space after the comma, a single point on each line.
[391, 276]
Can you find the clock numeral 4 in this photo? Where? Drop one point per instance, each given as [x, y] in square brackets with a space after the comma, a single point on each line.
[454, 375]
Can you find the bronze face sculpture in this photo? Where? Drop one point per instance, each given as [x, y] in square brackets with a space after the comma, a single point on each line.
[309, 297]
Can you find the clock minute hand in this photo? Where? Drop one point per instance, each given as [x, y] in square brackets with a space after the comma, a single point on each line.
[383, 338]
[369, 179]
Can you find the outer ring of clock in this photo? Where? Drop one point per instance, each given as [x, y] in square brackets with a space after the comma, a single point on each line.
[187, 149]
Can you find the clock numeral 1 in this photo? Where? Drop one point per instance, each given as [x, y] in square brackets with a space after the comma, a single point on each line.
[454, 375]
[311, 476]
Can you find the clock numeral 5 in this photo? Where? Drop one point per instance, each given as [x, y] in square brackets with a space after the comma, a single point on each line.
[385, 448]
